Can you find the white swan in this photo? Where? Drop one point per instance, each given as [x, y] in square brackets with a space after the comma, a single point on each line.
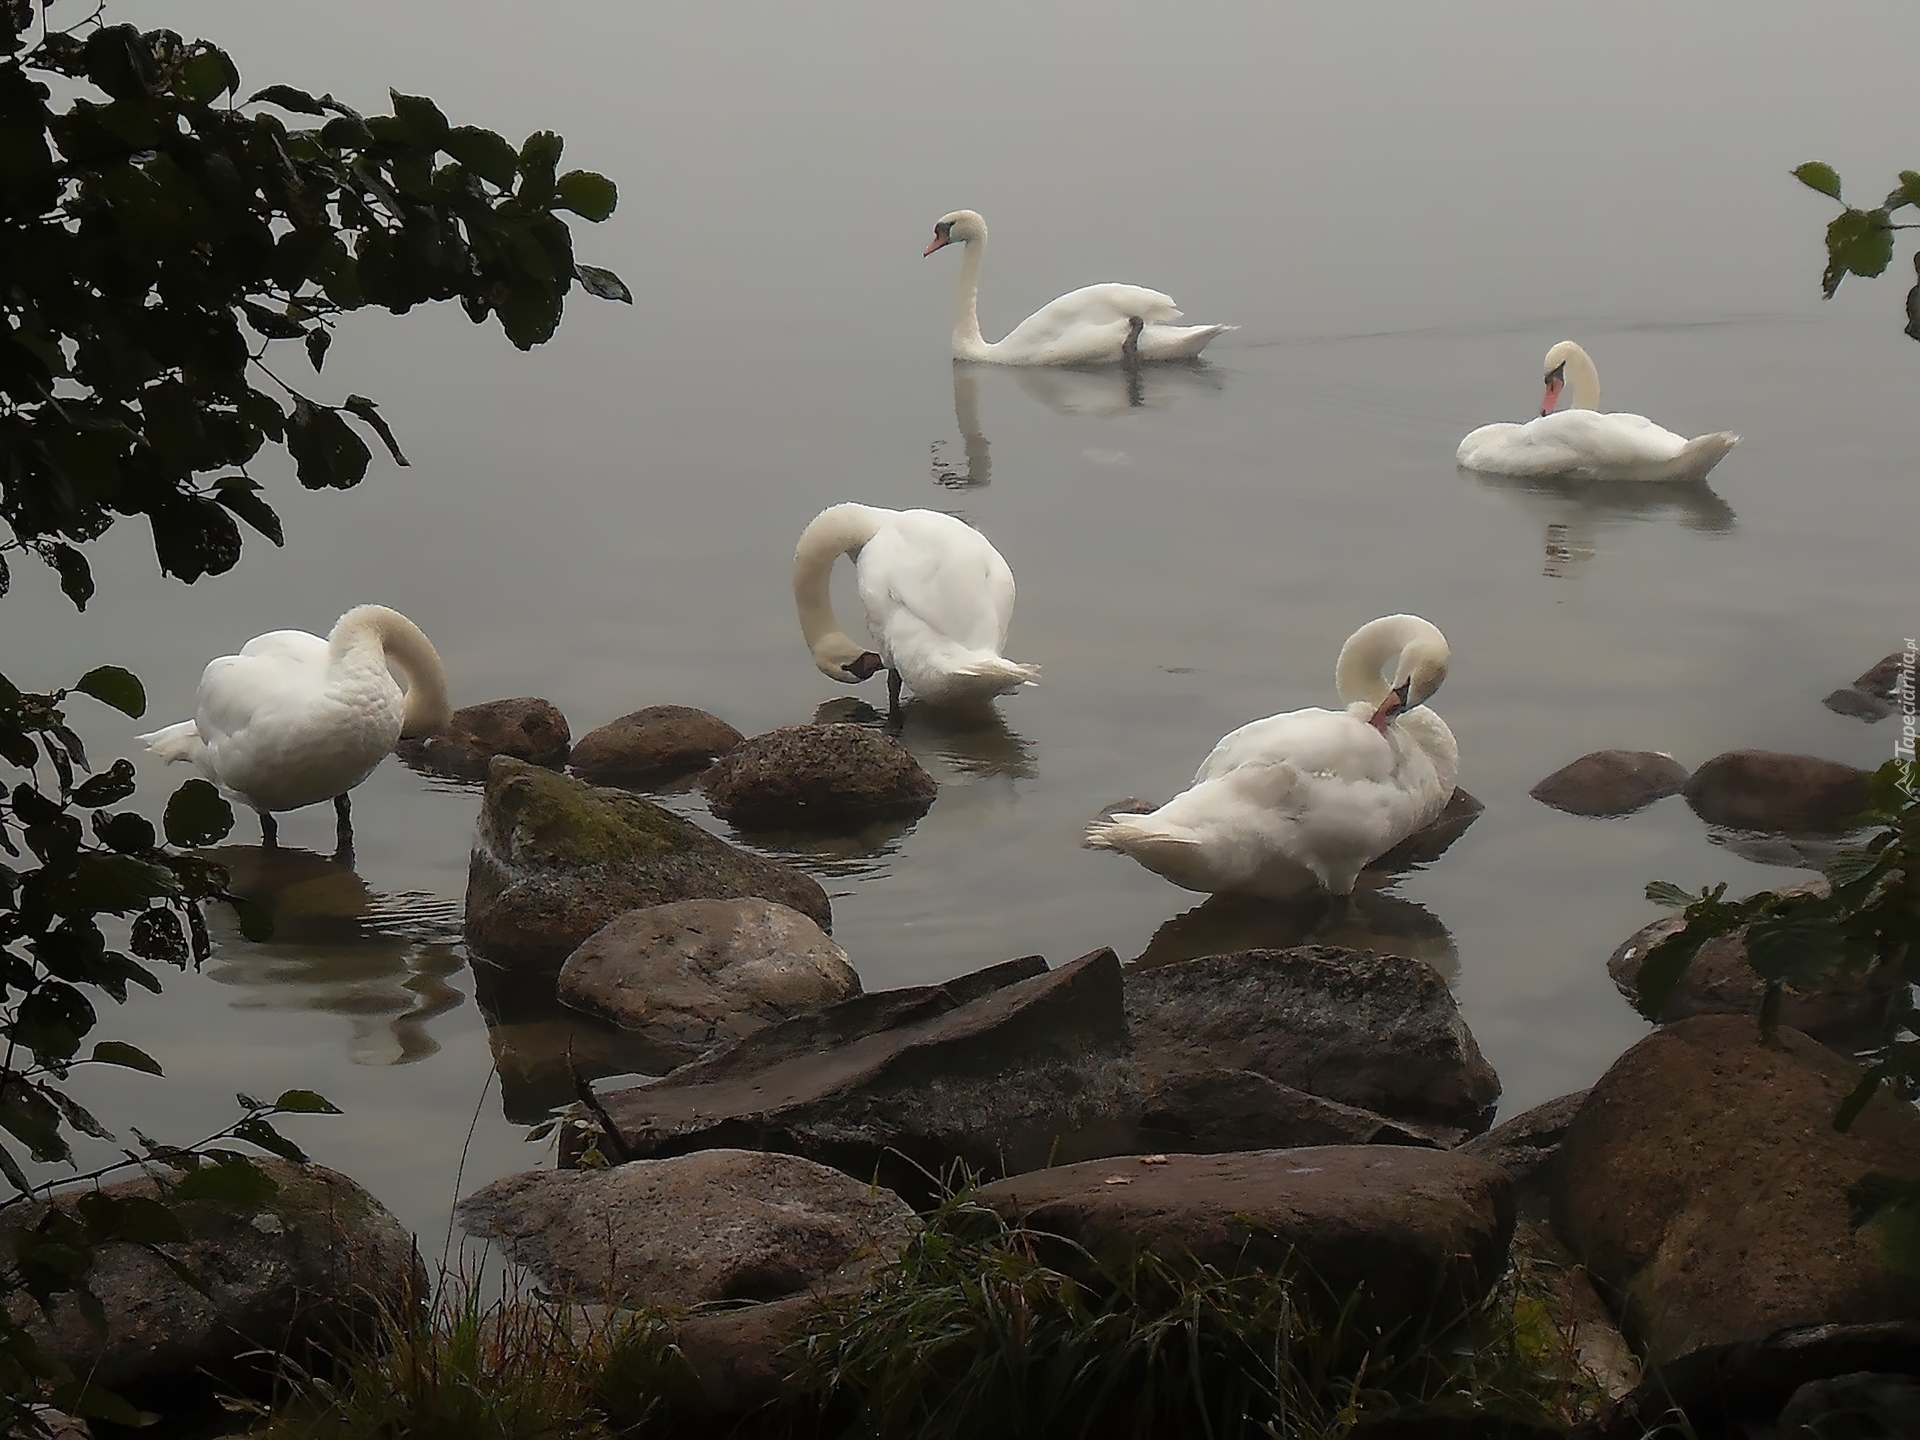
[1310, 797]
[938, 599]
[1579, 443]
[1095, 325]
[294, 719]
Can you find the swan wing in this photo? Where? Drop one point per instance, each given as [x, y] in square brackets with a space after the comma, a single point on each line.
[927, 576]
[273, 673]
[1591, 445]
[1093, 307]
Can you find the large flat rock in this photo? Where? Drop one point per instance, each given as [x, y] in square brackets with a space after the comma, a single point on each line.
[1418, 1234]
[554, 859]
[1704, 1185]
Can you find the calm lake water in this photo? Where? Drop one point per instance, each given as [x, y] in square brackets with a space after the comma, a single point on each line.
[1402, 205]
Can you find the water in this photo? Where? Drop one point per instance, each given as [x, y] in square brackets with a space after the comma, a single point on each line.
[1402, 206]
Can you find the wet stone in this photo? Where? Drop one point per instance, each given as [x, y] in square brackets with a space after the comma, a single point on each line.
[526, 728]
[1611, 782]
[811, 775]
[656, 743]
[1767, 790]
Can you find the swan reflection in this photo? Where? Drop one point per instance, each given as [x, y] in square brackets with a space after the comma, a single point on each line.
[1116, 389]
[972, 740]
[383, 961]
[1576, 512]
[966, 415]
[539, 1046]
[1368, 919]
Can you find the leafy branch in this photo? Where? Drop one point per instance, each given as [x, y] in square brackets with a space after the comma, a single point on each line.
[1860, 242]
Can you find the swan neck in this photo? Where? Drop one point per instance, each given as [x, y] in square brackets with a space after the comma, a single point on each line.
[967, 344]
[836, 531]
[1373, 650]
[1583, 381]
[402, 644]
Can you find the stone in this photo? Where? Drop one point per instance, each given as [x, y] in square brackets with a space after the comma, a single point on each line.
[658, 742]
[817, 775]
[1020, 1075]
[1376, 1032]
[554, 859]
[1224, 1110]
[1529, 1143]
[527, 728]
[1567, 1316]
[697, 974]
[1413, 1234]
[1704, 1186]
[712, 1225]
[1874, 696]
[304, 1268]
[1432, 840]
[1766, 790]
[1721, 981]
[1611, 782]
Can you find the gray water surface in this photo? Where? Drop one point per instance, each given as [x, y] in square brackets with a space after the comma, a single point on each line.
[1402, 205]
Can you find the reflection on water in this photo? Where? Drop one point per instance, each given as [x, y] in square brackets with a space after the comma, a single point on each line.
[1114, 390]
[1576, 511]
[383, 961]
[966, 415]
[972, 740]
[1795, 852]
[540, 1047]
[1368, 919]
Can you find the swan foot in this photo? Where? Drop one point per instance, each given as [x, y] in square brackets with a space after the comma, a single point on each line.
[269, 831]
[893, 696]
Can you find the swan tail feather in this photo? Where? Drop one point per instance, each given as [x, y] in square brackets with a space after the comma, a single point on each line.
[1010, 673]
[1132, 835]
[174, 742]
[1703, 452]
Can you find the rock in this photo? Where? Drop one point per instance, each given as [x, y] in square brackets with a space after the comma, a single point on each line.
[1377, 1032]
[1429, 843]
[703, 973]
[1529, 1143]
[526, 728]
[306, 1267]
[655, 743]
[1876, 694]
[1414, 1232]
[1566, 1316]
[1024, 1074]
[739, 1360]
[817, 775]
[1721, 981]
[1611, 782]
[1225, 1110]
[1704, 1185]
[554, 859]
[712, 1225]
[1765, 790]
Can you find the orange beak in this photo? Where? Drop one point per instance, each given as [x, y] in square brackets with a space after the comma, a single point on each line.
[1383, 716]
[1554, 386]
[938, 242]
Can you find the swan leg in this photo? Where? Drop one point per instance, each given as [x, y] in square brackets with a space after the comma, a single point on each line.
[1130, 358]
[343, 829]
[893, 696]
[269, 830]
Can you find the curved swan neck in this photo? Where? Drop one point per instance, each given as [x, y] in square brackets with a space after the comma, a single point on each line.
[403, 644]
[1375, 649]
[1583, 378]
[836, 531]
[967, 342]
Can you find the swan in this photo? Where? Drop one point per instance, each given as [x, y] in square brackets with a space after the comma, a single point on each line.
[1310, 797]
[938, 598]
[1579, 443]
[1095, 325]
[295, 719]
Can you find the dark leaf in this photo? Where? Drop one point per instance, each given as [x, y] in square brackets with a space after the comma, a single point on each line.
[287, 98]
[602, 284]
[158, 936]
[274, 324]
[326, 452]
[256, 921]
[1798, 950]
[318, 339]
[51, 1021]
[420, 119]
[93, 1402]
[588, 195]
[242, 497]
[115, 783]
[1818, 176]
[209, 74]
[128, 833]
[231, 1182]
[1665, 892]
[305, 1102]
[1909, 191]
[75, 578]
[131, 1057]
[486, 154]
[197, 815]
[361, 406]
[257, 1131]
[1859, 242]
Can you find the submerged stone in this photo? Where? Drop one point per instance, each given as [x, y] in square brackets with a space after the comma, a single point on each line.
[658, 742]
[527, 728]
[1611, 782]
[804, 775]
[1767, 790]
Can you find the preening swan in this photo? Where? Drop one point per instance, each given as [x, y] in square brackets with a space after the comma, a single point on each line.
[1309, 797]
[1579, 443]
[1095, 325]
[294, 719]
[938, 599]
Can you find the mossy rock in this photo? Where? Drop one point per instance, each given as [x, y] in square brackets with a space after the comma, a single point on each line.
[554, 859]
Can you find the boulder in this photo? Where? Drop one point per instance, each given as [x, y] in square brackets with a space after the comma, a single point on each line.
[1876, 694]
[1213, 1111]
[526, 728]
[1611, 782]
[1434, 839]
[1703, 1184]
[305, 1267]
[703, 973]
[1557, 1312]
[1528, 1145]
[554, 859]
[712, 1225]
[1766, 790]
[656, 743]
[1020, 1075]
[1377, 1032]
[817, 775]
[1412, 1234]
[1721, 981]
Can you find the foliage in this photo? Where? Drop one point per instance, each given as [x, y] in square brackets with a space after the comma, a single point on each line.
[1865, 929]
[157, 235]
[1860, 242]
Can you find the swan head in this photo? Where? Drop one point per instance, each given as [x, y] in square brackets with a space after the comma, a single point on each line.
[1422, 671]
[839, 658]
[957, 227]
[1556, 372]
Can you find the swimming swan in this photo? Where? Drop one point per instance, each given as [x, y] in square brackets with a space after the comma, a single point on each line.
[938, 599]
[294, 719]
[1310, 797]
[1095, 325]
[1579, 443]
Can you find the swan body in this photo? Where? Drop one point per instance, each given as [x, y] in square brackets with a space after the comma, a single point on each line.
[1094, 325]
[295, 719]
[1308, 798]
[938, 599]
[1584, 443]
